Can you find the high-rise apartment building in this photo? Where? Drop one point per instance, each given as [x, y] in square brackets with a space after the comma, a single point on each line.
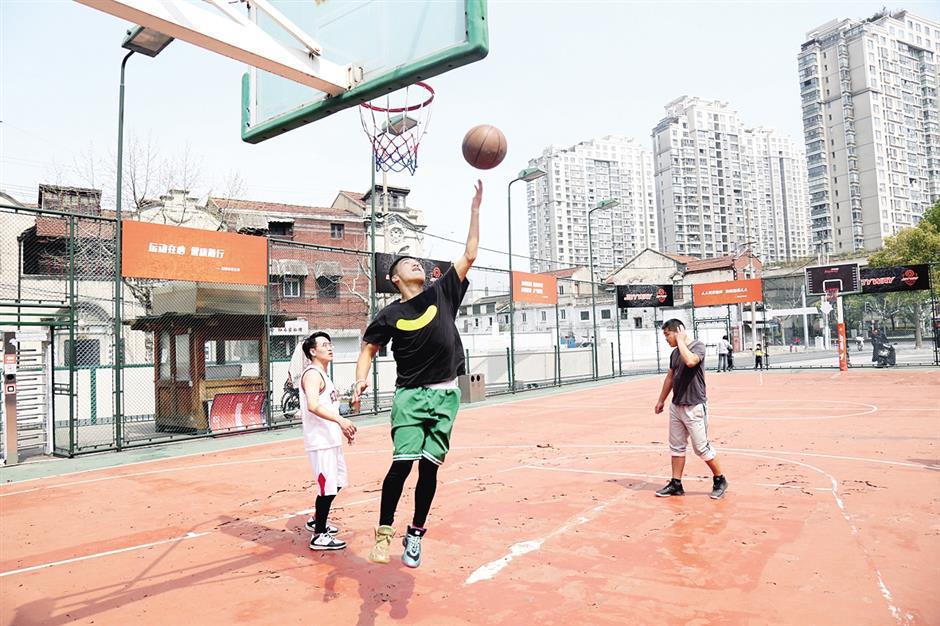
[777, 166]
[870, 118]
[580, 177]
[722, 188]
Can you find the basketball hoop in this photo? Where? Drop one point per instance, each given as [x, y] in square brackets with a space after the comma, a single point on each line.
[832, 294]
[396, 131]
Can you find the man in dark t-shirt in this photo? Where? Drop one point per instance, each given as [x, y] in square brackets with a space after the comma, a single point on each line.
[428, 357]
[688, 412]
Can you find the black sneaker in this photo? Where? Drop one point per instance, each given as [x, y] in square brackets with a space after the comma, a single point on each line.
[311, 525]
[719, 486]
[673, 488]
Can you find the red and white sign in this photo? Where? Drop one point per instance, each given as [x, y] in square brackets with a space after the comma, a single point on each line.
[727, 292]
[174, 252]
[534, 288]
[237, 411]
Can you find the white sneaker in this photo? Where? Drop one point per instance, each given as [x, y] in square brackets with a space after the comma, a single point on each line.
[326, 541]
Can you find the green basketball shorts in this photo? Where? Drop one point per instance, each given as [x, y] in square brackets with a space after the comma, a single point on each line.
[422, 419]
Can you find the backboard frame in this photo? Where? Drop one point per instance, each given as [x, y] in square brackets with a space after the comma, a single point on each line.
[820, 279]
[474, 48]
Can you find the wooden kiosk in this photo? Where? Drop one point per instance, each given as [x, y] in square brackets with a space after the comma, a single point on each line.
[208, 340]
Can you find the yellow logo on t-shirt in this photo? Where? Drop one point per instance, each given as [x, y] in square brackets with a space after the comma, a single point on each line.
[419, 322]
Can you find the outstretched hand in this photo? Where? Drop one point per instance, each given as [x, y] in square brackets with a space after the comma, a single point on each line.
[477, 196]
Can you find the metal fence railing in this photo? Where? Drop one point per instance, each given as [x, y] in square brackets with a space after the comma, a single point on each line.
[182, 363]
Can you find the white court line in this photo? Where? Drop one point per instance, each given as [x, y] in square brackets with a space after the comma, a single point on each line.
[664, 477]
[190, 535]
[885, 592]
[491, 569]
[193, 535]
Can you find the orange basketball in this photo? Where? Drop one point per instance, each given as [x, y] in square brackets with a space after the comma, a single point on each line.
[484, 146]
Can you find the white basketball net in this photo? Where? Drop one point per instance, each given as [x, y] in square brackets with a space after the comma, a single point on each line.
[396, 129]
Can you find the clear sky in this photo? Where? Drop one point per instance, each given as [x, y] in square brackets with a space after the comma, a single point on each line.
[557, 73]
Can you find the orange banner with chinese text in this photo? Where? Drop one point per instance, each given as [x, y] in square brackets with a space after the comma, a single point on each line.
[179, 253]
[534, 288]
[727, 292]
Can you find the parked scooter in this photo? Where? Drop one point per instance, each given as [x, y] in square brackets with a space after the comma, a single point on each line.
[887, 356]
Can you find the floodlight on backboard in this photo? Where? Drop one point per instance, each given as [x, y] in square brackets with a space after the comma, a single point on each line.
[146, 41]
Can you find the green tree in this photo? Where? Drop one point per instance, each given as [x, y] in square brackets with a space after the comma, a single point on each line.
[920, 244]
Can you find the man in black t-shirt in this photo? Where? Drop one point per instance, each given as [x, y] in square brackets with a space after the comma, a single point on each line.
[688, 412]
[428, 357]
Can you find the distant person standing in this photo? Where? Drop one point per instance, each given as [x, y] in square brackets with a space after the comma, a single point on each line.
[723, 348]
[876, 340]
[758, 357]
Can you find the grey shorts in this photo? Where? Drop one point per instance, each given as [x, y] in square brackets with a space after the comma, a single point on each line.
[689, 422]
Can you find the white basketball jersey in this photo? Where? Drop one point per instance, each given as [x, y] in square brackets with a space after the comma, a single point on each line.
[318, 432]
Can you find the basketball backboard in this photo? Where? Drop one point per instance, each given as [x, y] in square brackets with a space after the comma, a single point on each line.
[311, 58]
[821, 280]
[395, 44]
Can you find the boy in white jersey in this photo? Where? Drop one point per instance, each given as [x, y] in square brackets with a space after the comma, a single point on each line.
[323, 429]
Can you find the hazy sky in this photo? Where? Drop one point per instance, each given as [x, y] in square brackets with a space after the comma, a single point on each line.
[557, 73]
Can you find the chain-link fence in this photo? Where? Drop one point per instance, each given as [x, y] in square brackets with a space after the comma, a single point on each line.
[798, 330]
[201, 358]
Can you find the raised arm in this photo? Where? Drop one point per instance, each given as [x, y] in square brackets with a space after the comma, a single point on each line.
[462, 265]
[688, 357]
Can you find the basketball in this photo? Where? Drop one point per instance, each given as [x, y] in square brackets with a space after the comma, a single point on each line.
[484, 146]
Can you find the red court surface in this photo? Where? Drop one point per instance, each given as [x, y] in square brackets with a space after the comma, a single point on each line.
[545, 514]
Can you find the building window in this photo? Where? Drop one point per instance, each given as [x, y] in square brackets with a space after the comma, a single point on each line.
[523, 318]
[638, 322]
[585, 316]
[563, 314]
[561, 289]
[476, 322]
[328, 286]
[292, 286]
[337, 231]
[544, 316]
[280, 229]
[605, 314]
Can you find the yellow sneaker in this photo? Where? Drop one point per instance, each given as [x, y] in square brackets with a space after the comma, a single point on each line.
[383, 544]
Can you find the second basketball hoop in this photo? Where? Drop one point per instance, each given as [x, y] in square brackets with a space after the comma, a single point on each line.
[395, 125]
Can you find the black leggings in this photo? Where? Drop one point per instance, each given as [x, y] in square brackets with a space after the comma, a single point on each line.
[322, 505]
[424, 492]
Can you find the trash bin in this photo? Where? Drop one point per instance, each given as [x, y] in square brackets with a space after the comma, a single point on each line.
[472, 388]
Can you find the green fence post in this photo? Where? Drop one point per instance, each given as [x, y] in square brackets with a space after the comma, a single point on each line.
[266, 347]
[612, 361]
[509, 382]
[659, 367]
[71, 349]
[619, 349]
[93, 374]
[557, 365]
